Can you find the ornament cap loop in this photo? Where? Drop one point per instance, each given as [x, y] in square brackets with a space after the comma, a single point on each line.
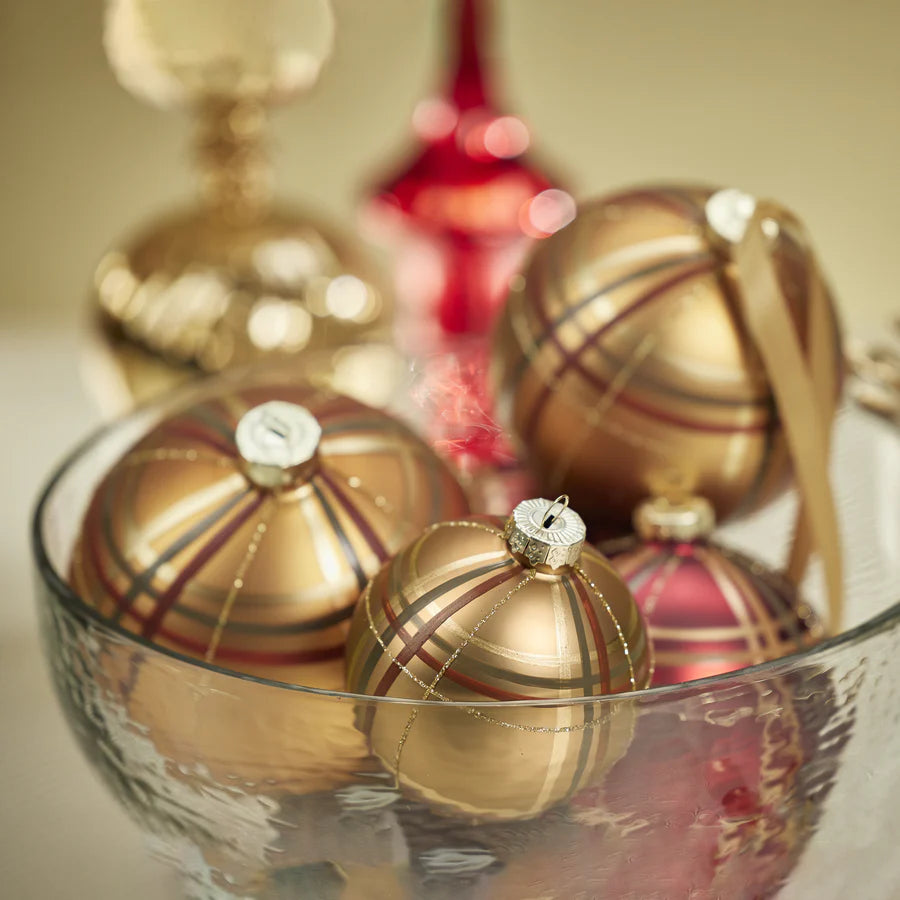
[546, 532]
[664, 519]
[276, 441]
[562, 501]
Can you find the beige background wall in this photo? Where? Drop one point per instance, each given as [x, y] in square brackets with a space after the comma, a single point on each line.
[792, 98]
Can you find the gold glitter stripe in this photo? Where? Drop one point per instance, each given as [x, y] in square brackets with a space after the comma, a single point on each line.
[624, 643]
[238, 582]
[657, 586]
[471, 710]
[430, 690]
[593, 417]
[766, 626]
[173, 454]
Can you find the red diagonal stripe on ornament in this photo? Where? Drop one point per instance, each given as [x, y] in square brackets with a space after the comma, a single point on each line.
[414, 644]
[358, 519]
[572, 359]
[451, 674]
[232, 654]
[192, 432]
[168, 599]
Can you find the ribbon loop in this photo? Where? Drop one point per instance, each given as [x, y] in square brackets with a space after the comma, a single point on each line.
[804, 386]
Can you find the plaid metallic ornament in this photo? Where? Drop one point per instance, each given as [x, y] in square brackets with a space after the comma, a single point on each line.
[624, 362]
[478, 610]
[242, 529]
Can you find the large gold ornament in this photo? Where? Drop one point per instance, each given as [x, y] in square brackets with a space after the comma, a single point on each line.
[237, 278]
[476, 611]
[242, 529]
[625, 366]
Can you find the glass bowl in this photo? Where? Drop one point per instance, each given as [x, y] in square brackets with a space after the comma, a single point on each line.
[779, 777]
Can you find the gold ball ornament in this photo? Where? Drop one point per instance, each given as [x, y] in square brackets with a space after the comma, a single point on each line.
[198, 293]
[478, 610]
[624, 366]
[241, 529]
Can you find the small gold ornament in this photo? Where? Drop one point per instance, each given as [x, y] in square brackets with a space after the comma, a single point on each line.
[624, 363]
[241, 529]
[478, 611]
[238, 278]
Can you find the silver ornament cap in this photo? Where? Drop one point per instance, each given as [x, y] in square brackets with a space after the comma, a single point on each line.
[546, 532]
[276, 441]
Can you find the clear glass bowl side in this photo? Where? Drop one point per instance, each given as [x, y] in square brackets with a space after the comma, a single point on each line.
[735, 786]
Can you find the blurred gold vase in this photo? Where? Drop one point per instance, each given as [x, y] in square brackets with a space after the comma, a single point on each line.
[237, 278]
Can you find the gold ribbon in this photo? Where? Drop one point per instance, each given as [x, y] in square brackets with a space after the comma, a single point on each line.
[820, 357]
[804, 387]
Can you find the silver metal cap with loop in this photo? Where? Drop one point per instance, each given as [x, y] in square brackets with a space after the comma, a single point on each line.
[277, 441]
[546, 532]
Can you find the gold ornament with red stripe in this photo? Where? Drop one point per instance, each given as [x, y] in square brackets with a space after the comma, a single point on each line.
[676, 335]
[479, 610]
[709, 609]
[241, 530]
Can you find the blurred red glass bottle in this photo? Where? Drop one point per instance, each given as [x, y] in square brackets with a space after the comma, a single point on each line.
[461, 216]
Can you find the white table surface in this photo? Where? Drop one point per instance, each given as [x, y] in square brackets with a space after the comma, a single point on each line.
[63, 835]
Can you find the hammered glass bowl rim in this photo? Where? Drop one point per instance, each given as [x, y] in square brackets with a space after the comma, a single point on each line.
[64, 594]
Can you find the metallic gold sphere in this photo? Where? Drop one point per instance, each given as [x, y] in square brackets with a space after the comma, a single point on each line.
[236, 532]
[202, 293]
[462, 615]
[623, 366]
[180, 51]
